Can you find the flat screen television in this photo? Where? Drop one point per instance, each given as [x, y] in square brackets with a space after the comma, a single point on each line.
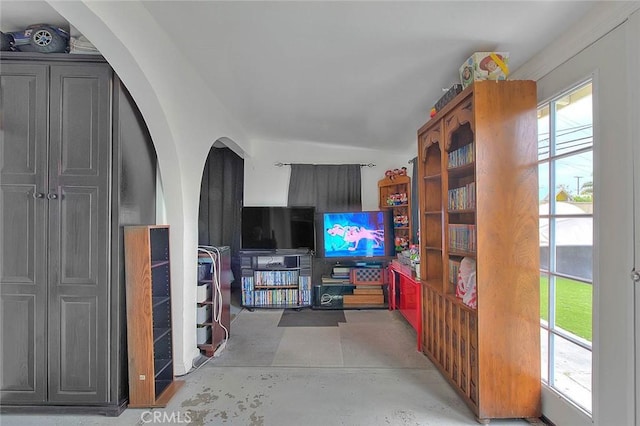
[362, 234]
[278, 228]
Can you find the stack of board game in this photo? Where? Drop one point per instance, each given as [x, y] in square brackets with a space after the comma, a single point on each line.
[368, 289]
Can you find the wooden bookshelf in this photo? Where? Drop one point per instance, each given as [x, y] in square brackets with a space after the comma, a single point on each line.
[478, 193]
[394, 193]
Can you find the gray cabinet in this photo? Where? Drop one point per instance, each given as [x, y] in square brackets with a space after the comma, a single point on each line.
[61, 172]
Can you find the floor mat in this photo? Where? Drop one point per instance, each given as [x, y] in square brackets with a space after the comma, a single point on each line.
[311, 318]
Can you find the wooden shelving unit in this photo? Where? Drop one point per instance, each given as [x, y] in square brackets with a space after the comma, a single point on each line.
[149, 331]
[478, 199]
[394, 193]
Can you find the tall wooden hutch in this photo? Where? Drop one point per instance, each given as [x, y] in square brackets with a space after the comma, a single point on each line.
[477, 190]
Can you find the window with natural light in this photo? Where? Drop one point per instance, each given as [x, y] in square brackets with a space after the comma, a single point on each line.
[566, 193]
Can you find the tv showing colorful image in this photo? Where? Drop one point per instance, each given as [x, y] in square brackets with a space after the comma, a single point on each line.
[356, 234]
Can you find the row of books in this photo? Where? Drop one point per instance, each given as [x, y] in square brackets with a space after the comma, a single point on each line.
[462, 237]
[462, 156]
[276, 297]
[249, 283]
[275, 278]
[463, 198]
[305, 284]
[454, 267]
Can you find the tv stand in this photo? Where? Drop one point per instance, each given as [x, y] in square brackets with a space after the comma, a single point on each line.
[353, 284]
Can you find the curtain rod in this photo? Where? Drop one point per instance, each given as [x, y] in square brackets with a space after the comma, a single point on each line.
[288, 164]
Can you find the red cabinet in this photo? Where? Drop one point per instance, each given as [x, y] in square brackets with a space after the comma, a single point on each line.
[404, 295]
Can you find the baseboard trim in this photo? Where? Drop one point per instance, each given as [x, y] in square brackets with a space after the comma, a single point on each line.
[111, 410]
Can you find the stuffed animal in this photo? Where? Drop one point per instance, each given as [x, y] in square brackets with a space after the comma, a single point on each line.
[391, 174]
[401, 243]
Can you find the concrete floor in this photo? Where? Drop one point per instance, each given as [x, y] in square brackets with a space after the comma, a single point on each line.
[365, 371]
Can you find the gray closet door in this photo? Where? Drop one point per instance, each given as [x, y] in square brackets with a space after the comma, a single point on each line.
[79, 219]
[23, 242]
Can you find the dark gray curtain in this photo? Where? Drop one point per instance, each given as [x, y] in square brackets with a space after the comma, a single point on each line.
[415, 201]
[326, 187]
[221, 203]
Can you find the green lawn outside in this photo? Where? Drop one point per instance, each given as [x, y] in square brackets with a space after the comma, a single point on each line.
[574, 302]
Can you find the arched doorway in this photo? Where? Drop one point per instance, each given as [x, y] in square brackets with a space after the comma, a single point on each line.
[221, 198]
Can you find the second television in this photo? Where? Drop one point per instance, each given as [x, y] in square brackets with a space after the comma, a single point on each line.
[360, 234]
[278, 228]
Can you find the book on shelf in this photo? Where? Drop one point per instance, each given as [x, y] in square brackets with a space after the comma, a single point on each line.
[332, 280]
[340, 276]
[341, 270]
[369, 286]
[358, 290]
[363, 299]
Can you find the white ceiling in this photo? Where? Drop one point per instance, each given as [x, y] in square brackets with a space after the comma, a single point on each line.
[359, 73]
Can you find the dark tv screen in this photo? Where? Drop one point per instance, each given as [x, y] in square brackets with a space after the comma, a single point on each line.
[356, 234]
[278, 228]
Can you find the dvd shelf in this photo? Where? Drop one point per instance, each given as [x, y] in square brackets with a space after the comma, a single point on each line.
[149, 330]
[270, 280]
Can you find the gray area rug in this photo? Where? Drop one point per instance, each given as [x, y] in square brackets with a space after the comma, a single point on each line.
[311, 318]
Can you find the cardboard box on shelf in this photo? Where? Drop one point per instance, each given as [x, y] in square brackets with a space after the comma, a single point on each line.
[484, 66]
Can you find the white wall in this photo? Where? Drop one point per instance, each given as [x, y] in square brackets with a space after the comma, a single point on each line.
[267, 185]
[184, 119]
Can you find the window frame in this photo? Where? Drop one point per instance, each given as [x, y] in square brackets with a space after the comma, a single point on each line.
[549, 328]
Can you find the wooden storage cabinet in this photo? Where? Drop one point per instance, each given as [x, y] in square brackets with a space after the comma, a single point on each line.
[478, 199]
[394, 193]
[271, 280]
[149, 332]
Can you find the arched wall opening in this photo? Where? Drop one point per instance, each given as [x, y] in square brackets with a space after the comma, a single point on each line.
[221, 200]
[180, 136]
